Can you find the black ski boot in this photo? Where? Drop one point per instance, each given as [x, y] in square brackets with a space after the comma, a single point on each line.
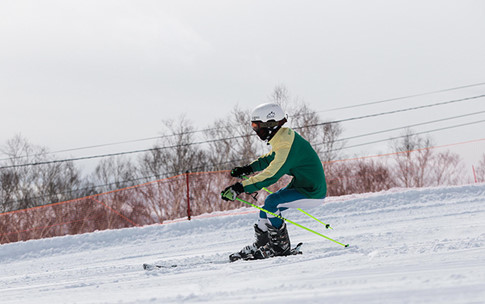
[247, 253]
[278, 245]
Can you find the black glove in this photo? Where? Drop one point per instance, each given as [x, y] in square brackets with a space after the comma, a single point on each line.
[231, 192]
[240, 171]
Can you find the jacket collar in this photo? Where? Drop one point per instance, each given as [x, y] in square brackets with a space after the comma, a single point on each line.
[277, 136]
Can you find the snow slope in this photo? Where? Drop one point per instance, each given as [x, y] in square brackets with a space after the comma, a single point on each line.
[406, 246]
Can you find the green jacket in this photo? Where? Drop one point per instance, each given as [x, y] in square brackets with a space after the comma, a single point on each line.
[291, 154]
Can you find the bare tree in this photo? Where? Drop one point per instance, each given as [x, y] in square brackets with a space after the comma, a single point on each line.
[152, 165]
[19, 179]
[337, 176]
[417, 165]
[9, 181]
[176, 152]
[447, 169]
[280, 96]
[413, 156]
[358, 176]
[33, 177]
[221, 151]
[59, 182]
[232, 142]
[331, 144]
[371, 176]
[306, 122]
[324, 136]
[480, 170]
[115, 173]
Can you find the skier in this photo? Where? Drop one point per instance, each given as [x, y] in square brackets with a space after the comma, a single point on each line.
[291, 155]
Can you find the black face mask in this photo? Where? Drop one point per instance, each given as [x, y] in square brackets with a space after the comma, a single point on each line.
[266, 130]
[266, 134]
[263, 133]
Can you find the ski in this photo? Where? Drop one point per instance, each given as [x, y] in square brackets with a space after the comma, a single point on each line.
[155, 266]
[237, 256]
[149, 267]
[296, 250]
[232, 258]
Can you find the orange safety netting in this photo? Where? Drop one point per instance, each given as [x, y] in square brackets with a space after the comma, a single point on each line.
[180, 196]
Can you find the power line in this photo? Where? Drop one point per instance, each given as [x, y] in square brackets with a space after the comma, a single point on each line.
[116, 154]
[209, 129]
[402, 110]
[409, 126]
[108, 144]
[404, 97]
[419, 133]
[235, 137]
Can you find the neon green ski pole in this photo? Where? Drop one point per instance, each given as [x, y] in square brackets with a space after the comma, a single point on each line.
[289, 221]
[299, 209]
[326, 225]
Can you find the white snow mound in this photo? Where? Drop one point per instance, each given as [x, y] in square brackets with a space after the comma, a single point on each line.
[406, 246]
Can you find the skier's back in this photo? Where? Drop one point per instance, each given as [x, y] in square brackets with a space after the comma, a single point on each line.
[292, 155]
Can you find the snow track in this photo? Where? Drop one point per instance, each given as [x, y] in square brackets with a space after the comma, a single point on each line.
[406, 246]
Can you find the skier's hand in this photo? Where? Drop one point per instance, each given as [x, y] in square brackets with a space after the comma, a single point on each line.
[231, 192]
[240, 171]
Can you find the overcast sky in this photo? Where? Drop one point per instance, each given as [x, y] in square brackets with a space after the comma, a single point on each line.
[80, 73]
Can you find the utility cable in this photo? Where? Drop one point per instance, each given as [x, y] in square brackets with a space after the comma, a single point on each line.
[403, 97]
[397, 137]
[209, 129]
[408, 126]
[235, 137]
[400, 110]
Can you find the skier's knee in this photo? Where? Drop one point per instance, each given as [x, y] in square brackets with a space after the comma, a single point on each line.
[271, 202]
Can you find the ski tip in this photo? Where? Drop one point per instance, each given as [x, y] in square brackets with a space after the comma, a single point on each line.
[157, 266]
[347, 245]
[235, 257]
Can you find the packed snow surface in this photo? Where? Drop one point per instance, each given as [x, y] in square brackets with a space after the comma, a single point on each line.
[406, 246]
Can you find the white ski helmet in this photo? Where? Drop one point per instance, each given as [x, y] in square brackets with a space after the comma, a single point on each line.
[267, 119]
[268, 111]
